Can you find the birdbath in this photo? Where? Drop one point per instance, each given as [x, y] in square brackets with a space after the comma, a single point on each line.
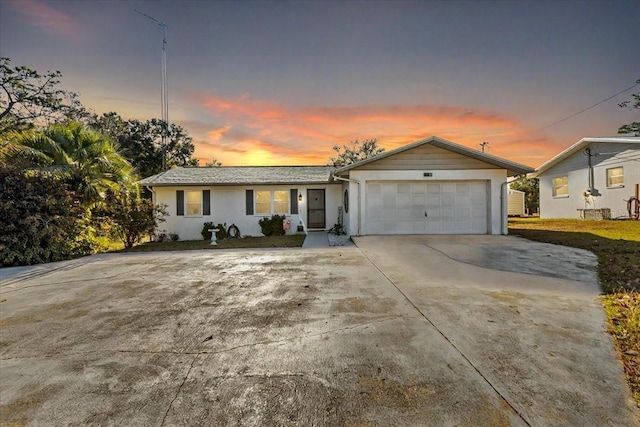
[214, 241]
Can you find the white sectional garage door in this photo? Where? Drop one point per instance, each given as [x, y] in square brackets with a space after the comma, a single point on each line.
[437, 207]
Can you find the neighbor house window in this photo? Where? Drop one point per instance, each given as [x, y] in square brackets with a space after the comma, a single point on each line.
[560, 186]
[272, 202]
[615, 177]
[194, 203]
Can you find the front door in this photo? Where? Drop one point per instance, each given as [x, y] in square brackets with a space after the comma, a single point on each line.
[316, 210]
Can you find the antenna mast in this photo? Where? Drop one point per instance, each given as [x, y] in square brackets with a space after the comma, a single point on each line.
[164, 90]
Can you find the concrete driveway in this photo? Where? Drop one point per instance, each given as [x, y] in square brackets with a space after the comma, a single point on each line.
[397, 331]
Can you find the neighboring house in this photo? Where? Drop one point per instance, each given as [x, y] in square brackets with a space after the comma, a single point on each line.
[598, 174]
[432, 186]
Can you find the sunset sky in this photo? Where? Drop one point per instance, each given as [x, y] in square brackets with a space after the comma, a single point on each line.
[265, 83]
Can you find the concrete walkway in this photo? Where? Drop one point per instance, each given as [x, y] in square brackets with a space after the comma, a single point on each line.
[316, 239]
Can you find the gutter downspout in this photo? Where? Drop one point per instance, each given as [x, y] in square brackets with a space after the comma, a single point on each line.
[339, 178]
[503, 208]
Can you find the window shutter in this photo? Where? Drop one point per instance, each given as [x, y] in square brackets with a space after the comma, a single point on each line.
[180, 202]
[293, 200]
[249, 195]
[206, 202]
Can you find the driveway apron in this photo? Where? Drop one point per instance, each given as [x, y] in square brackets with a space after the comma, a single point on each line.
[536, 334]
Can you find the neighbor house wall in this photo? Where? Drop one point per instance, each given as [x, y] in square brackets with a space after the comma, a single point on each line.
[228, 205]
[494, 178]
[607, 155]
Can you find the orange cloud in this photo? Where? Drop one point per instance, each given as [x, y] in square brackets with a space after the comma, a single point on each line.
[260, 132]
[41, 15]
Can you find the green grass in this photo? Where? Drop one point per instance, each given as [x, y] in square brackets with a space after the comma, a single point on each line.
[289, 241]
[617, 245]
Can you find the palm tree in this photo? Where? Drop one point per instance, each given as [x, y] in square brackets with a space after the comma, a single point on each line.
[87, 160]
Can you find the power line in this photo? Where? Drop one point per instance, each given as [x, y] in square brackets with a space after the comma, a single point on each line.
[588, 108]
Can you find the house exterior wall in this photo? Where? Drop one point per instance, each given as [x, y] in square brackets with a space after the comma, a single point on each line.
[575, 167]
[427, 157]
[228, 205]
[357, 193]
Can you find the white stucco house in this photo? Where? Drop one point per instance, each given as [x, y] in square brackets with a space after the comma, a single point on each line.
[594, 178]
[432, 186]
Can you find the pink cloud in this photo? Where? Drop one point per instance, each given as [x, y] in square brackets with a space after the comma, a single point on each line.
[41, 15]
[285, 134]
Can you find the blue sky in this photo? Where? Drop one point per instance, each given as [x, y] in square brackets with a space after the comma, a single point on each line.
[282, 82]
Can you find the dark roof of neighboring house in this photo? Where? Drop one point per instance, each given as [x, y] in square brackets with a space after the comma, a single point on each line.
[580, 145]
[241, 175]
[513, 168]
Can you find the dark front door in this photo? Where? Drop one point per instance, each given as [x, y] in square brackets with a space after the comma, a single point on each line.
[315, 210]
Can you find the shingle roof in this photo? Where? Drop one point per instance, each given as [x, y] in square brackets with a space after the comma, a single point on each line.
[241, 175]
[513, 168]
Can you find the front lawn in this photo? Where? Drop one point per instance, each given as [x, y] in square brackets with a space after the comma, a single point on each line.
[289, 241]
[617, 245]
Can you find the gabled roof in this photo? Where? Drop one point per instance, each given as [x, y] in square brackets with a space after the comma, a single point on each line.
[241, 175]
[513, 168]
[579, 146]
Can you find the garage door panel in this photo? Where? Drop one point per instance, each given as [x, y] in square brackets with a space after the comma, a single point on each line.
[451, 207]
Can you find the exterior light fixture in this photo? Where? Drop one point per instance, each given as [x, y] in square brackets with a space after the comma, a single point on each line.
[300, 197]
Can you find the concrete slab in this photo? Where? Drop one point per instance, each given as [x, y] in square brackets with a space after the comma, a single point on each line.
[294, 337]
[316, 239]
[540, 341]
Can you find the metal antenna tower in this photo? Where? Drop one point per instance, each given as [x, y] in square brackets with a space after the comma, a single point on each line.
[484, 145]
[164, 89]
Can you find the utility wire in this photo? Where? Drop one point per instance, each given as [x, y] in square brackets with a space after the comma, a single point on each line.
[588, 108]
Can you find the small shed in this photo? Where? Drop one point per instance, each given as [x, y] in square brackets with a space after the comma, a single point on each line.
[515, 202]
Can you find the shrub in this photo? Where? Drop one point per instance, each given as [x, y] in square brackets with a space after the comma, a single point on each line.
[133, 218]
[221, 234]
[272, 226]
[42, 220]
[174, 237]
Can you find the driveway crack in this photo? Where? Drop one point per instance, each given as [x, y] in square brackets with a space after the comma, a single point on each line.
[164, 419]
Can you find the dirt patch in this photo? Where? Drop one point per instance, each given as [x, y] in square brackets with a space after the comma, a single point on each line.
[390, 393]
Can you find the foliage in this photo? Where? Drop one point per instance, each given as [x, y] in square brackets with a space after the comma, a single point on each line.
[287, 241]
[623, 311]
[42, 220]
[174, 237]
[141, 142]
[133, 218]
[220, 234]
[633, 104]
[337, 229]
[28, 97]
[214, 163]
[531, 189]
[272, 226]
[356, 152]
[88, 161]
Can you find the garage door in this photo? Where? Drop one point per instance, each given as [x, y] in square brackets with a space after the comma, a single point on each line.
[440, 207]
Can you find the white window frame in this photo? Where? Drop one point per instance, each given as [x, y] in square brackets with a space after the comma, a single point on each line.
[187, 203]
[609, 177]
[554, 188]
[272, 203]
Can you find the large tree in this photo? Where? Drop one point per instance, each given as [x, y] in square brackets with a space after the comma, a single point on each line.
[355, 152]
[633, 104]
[141, 142]
[29, 98]
[87, 160]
